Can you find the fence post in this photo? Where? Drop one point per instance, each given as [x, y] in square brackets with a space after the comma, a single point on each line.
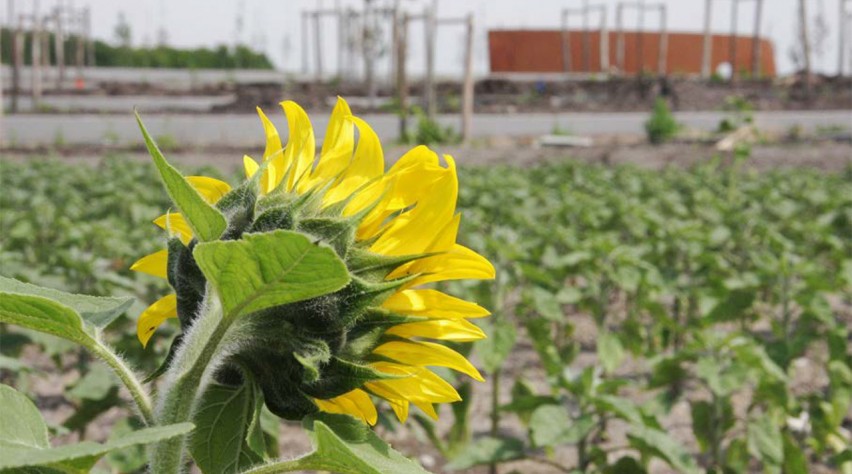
[468, 87]
[707, 50]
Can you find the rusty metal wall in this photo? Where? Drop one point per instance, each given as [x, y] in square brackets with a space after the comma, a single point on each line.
[513, 51]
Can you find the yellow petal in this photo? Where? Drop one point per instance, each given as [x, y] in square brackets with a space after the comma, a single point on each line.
[155, 264]
[175, 224]
[301, 144]
[458, 330]
[417, 384]
[273, 153]
[432, 304]
[368, 163]
[459, 263]
[427, 409]
[150, 319]
[250, 166]
[337, 146]
[415, 230]
[211, 189]
[356, 403]
[421, 354]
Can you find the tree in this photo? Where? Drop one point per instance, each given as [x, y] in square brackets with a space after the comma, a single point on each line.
[122, 31]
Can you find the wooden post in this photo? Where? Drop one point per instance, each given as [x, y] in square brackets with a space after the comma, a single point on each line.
[619, 47]
[566, 44]
[2, 103]
[18, 62]
[341, 39]
[369, 52]
[755, 41]
[318, 45]
[806, 46]
[842, 47]
[707, 49]
[732, 40]
[604, 46]
[59, 45]
[35, 60]
[401, 40]
[468, 85]
[662, 63]
[304, 25]
[640, 40]
[586, 40]
[90, 43]
[80, 53]
[429, 27]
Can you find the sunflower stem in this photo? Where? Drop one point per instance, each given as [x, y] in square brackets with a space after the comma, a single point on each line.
[186, 380]
[125, 374]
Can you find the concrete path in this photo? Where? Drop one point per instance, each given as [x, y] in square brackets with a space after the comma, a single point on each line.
[245, 129]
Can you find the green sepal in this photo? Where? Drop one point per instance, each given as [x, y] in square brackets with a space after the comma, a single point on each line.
[339, 233]
[186, 278]
[376, 267]
[279, 378]
[273, 219]
[340, 376]
[206, 221]
[166, 362]
[312, 355]
[368, 331]
[238, 205]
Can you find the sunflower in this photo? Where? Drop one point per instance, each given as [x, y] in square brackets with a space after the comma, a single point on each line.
[395, 230]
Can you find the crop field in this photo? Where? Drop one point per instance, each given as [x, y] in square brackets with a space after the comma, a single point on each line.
[682, 320]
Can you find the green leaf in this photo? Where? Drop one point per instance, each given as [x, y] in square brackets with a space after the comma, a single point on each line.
[222, 422]
[21, 426]
[765, 441]
[206, 221]
[346, 446]
[488, 450]
[43, 315]
[546, 304]
[95, 385]
[733, 306]
[24, 443]
[95, 310]
[270, 269]
[496, 347]
[551, 425]
[610, 351]
[650, 441]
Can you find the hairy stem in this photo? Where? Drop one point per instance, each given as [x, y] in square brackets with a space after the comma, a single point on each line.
[125, 374]
[185, 382]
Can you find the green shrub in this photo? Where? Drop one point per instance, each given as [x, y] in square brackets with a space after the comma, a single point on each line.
[662, 125]
[430, 132]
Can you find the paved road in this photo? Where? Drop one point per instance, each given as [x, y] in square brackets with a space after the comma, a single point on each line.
[244, 129]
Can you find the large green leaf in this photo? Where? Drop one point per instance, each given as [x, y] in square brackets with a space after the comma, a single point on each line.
[43, 315]
[95, 310]
[24, 443]
[222, 421]
[206, 221]
[345, 445]
[551, 425]
[765, 440]
[657, 443]
[494, 350]
[270, 269]
[610, 351]
[488, 450]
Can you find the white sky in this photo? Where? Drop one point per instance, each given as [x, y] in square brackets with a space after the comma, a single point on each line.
[273, 26]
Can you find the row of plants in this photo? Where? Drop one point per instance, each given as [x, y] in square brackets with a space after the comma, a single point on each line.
[714, 288]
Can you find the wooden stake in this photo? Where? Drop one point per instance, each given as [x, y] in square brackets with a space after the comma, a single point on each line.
[468, 85]
[59, 45]
[429, 83]
[401, 40]
[318, 45]
[35, 60]
[732, 45]
[806, 45]
[842, 47]
[566, 44]
[755, 41]
[707, 50]
[662, 60]
[619, 47]
[18, 62]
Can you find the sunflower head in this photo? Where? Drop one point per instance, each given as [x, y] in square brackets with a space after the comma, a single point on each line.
[394, 230]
